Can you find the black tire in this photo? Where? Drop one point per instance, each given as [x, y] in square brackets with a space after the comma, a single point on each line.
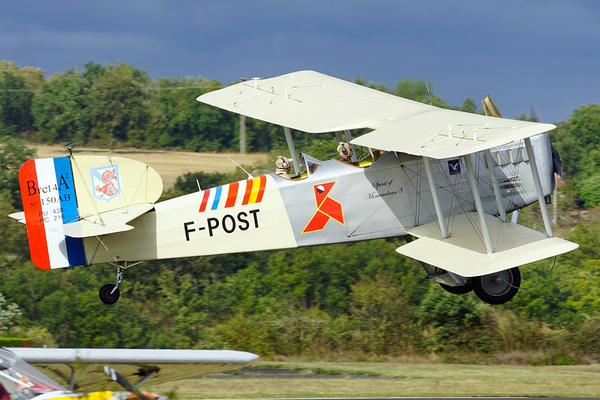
[499, 287]
[466, 288]
[106, 296]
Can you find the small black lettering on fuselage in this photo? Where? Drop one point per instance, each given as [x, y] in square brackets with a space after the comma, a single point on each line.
[228, 224]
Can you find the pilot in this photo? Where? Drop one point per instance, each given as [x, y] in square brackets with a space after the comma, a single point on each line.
[283, 167]
[345, 152]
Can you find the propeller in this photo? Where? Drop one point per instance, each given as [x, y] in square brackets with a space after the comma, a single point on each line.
[490, 107]
[556, 161]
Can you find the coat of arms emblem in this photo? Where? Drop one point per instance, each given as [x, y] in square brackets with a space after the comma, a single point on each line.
[106, 182]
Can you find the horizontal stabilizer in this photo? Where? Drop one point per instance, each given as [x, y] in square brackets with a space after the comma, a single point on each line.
[113, 183]
[19, 216]
[464, 252]
[105, 223]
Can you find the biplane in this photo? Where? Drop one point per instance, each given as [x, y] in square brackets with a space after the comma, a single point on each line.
[105, 374]
[443, 179]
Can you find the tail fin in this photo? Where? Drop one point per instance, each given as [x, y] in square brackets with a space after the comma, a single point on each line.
[48, 194]
[66, 199]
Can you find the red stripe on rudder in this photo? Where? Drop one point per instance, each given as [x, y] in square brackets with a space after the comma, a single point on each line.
[32, 207]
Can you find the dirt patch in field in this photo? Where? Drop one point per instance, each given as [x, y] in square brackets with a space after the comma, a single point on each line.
[169, 164]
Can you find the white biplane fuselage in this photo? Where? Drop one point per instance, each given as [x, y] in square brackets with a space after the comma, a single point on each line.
[336, 203]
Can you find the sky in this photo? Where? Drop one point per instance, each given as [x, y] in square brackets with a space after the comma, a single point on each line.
[539, 53]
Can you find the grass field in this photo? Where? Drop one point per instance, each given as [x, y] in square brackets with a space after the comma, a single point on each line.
[414, 380]
[169, 164]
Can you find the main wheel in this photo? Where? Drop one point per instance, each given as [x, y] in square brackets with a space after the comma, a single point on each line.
[466, 288]
[106, 296]
[499, 287]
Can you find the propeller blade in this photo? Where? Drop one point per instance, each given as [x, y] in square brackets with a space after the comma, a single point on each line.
[534, 114]
[489, 107]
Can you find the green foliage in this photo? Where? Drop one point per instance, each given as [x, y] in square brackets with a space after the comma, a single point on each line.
[590, 189]
[14, 342]
[15, 104]
[384, 316]
[61, 109]
[13, 153]
[9, 316]
[585, 334]
[455, 320]
[412, 90]
[578, 142]
[119, 106]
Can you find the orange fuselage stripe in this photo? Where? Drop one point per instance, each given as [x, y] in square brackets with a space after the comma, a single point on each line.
[261, 189]
[232, 195]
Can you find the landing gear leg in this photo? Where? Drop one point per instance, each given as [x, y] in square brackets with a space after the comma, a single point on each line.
[109, 293]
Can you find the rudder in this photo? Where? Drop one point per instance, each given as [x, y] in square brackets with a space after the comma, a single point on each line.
[49, 200]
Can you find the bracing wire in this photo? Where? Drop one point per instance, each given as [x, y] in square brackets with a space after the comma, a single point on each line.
[537, 284]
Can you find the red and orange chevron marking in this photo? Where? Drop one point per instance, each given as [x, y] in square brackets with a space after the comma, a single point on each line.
[229, 195]
[327, 208]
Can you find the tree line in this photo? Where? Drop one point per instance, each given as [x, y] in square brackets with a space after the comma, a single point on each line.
[361, 300]
[119, 105]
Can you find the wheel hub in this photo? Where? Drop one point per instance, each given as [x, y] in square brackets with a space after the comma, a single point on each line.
[498, 283]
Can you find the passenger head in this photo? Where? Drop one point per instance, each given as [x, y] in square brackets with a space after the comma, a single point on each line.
[344, 150]
[283, 163]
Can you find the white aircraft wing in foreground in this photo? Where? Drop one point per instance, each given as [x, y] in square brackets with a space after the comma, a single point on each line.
[99, 370]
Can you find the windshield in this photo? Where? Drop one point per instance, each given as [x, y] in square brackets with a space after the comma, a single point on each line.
[19, 380]
[312, 164]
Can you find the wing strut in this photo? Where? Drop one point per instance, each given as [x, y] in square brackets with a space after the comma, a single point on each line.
[490, 165]
[436, 200]
[475, 191]
[292, 148]
[538, 189]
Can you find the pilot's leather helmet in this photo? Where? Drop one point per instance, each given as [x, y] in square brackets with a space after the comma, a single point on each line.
[282, 162]
[344, 149]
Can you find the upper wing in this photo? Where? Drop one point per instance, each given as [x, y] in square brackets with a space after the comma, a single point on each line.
[134, 364]
[313, 102]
